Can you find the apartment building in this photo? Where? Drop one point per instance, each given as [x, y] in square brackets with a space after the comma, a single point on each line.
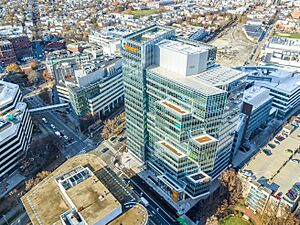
[7, 53]
[181, 111]
[15, 128]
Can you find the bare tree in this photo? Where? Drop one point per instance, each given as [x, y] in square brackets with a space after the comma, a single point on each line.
[231, 185]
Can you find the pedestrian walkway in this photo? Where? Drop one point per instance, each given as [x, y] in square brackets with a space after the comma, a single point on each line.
[248, 213]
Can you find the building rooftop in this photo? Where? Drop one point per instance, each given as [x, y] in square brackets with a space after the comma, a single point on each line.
[187, 81]
[137, 215]
[218, 76]
[180, 47]
[98, 63]
[10, 121]
[174, 107]
[148, 33]
[8, 92]
[273, 77]
[256, 96]
[204, 139]
[284, 172]
[285, 41]
[171, 149]
[74, 183]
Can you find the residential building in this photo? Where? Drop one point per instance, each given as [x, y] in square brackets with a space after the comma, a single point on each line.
[21, 46]
[284, 87]
[7, 53]
[282, 51]
[15, 128]
[96, 87]
[269, 179]
[181, 112]
[82, 192]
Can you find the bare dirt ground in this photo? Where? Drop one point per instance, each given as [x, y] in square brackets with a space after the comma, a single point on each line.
[233, 47]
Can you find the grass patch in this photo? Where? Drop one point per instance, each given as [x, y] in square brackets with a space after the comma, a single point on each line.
[288, 35]
[234, 220]
[145, 12]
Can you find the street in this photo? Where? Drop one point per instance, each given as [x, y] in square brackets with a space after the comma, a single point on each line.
[159, 211]
[76, 143]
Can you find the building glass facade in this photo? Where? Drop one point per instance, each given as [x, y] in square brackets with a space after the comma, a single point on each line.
[183, 132]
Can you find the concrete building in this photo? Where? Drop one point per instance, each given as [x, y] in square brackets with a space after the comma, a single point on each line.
[109, 38]
[7, 53]
[283, 52]
[284, 87]
[79, 193]
[181, 112]
[95, 87]
[257, 104]
[15, 128]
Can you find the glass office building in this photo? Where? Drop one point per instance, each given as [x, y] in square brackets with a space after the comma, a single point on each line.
[181, 110]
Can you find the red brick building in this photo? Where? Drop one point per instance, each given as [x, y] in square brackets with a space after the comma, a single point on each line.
[7, 53]
[21, 46]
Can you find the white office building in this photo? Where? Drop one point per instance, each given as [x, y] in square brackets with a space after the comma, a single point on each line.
[284, 87]
[15, 128]
[96, 87]
[283, 52]
[257, 106]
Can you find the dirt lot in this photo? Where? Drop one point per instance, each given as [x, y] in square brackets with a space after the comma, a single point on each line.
[233, 47]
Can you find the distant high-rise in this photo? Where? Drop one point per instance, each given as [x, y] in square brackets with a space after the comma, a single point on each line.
[15, 128]
[181, 110]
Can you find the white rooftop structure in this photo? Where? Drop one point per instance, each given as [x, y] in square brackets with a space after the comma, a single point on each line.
[8, 91]
[256, 96]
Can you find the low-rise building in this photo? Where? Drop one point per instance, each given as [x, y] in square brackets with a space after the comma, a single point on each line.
[284, 87]
[272, 179]
[7, 53]
[82, 192]
[15, 128]
[283, 51]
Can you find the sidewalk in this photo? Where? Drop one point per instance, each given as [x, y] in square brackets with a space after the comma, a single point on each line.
[248, 213]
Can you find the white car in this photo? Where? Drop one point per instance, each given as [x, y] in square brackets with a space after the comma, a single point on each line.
[52, 125]
[297, 161]
[44, 120]
[66, 137]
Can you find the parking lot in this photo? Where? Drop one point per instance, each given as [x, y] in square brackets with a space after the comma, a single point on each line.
[268, 165]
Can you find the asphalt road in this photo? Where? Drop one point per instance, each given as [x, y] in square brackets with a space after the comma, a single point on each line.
[79, 142]
[160, 213]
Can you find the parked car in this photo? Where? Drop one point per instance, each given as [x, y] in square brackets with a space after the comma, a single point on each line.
[44, 120]
[267, 152]
[293, 193]
[105, 150]
[290, 196]
[52, 126]
[289, 151]
[276, 142]
[297, 161]
[271, 145]
[112, 138]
